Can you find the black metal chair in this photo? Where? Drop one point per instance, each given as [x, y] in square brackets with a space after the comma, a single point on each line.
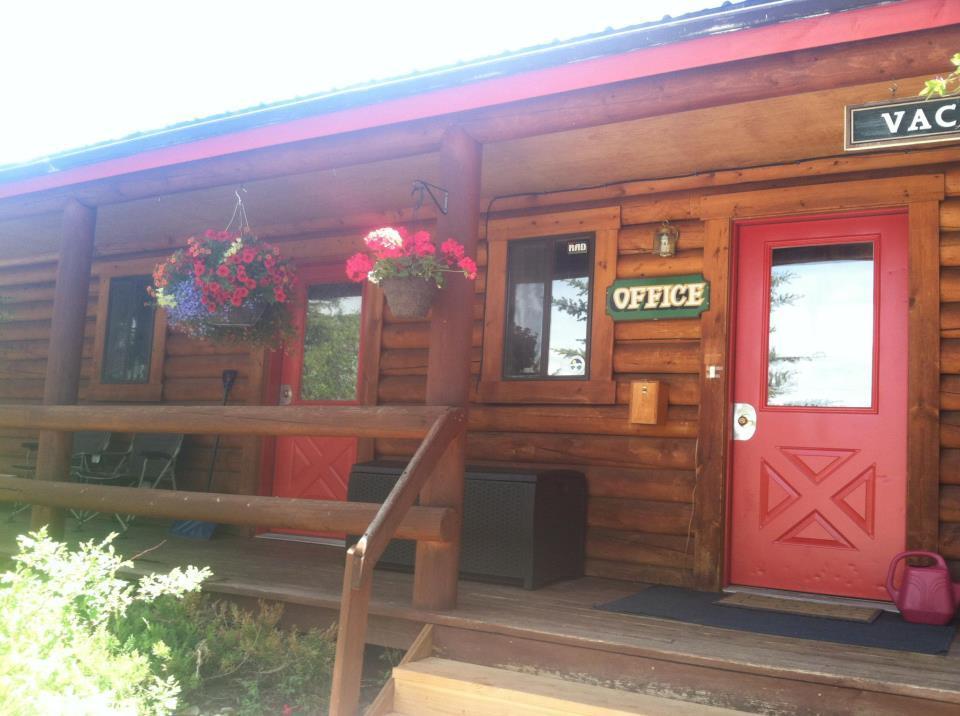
[149, 461]
[87, 447]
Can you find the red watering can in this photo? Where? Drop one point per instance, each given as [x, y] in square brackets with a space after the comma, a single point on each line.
[926, 594]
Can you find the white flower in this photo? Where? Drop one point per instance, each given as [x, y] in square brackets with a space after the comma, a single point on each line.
[372, 277]
[386, 237]
[234, 247]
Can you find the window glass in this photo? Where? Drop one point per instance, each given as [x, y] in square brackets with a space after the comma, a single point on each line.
[548, 308]
[331, 344]
[129, 336]
[821, 326]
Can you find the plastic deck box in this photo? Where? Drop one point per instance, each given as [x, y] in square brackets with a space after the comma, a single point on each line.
[521, 527]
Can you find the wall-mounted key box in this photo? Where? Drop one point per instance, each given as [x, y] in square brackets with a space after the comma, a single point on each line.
[648, 402]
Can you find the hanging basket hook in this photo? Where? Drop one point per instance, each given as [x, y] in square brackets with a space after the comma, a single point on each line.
[422, 189]
[239, 213]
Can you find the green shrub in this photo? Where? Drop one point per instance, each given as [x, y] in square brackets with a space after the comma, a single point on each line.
[77, 639]
[226, 656]
[58, 650]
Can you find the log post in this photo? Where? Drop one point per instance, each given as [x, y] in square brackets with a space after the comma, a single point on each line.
[448, 365]
[65, 351]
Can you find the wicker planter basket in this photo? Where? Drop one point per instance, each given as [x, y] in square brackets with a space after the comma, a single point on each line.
[409, 297]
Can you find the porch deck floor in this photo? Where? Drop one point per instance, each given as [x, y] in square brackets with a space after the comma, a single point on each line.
[310, 575]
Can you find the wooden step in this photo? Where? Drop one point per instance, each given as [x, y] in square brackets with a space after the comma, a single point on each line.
[675, 677]
[440, 687]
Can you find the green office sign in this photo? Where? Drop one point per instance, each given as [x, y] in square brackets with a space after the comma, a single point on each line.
[650, 299]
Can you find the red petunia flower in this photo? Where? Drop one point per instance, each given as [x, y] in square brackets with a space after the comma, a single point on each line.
[454, 249]
[468, 266]
[358, 266]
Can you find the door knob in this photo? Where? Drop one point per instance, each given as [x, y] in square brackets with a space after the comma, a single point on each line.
[286, 395]
[744, 421]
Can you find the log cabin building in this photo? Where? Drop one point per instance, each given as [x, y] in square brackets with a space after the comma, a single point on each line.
[775, 404]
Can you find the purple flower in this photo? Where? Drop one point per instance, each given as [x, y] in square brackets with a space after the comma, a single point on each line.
[188, 306]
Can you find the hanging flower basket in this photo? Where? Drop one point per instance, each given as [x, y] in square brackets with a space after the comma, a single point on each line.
[409, 297]
[243, 316]
[409, 267]
[227, 288]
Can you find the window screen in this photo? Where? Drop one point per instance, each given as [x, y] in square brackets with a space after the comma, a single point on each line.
[129, 336]
[548, 308]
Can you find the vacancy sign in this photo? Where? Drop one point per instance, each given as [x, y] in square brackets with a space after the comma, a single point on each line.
[897, 124]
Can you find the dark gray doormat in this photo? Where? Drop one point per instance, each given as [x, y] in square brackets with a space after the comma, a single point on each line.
[889, 631]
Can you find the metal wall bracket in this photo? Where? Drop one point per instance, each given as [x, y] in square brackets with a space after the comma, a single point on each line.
[423, 188]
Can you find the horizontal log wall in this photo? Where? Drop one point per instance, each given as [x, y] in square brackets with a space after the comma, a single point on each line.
[640, 477]
[950, 375]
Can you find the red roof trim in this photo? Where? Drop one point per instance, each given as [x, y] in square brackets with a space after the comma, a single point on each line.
[863, 24]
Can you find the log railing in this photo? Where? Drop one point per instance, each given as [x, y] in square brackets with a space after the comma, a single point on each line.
[397, 517]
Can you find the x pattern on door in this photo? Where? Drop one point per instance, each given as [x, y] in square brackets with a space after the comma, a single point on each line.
[831, 499]
[318, 468]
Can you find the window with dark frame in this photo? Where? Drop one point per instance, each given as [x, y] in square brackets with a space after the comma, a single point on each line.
[128, 343]
[547, 327]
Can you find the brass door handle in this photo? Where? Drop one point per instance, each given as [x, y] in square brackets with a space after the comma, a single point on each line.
[744, 421]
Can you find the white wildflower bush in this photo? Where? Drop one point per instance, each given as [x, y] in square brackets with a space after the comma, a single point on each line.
[58, 650]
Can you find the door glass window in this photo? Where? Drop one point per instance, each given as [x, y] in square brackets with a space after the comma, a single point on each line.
[331, 342]
[821, 326]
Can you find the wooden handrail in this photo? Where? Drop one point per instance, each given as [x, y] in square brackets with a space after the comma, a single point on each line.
[429, 524]
[363, 556]
[411, 421]
[383, 527]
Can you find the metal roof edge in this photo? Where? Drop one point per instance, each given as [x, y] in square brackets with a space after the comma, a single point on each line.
[725, 19]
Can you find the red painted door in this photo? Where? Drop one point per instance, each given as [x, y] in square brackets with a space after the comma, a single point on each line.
[321, 367]
[818, 498]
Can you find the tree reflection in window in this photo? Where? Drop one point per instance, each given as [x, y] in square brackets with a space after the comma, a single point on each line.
[331, 343]
[821, 331]
[781, 377]
[571, 297]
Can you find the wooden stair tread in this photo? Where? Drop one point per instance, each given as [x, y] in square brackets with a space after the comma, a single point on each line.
[437, 686]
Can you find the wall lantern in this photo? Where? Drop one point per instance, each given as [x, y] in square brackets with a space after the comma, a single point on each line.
[665, 240]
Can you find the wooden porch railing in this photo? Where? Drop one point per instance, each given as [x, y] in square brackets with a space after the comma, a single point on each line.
[397, 517]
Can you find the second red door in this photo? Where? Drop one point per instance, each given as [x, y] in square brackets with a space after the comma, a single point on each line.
[320, 368]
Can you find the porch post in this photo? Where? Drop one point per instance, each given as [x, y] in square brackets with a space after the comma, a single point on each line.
[62, 379]
[448, 365]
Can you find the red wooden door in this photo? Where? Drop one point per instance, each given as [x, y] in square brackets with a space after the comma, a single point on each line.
[818, 497]
[321, 367]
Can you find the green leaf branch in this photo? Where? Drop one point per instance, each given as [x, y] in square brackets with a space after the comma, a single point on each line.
[944, 86]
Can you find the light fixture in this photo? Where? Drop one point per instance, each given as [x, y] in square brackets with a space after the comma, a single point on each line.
[665, 240]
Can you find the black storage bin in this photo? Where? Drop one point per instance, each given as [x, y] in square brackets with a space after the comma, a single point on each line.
[519, 526]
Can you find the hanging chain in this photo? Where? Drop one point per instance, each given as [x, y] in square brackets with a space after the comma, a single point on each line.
[239, 214]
